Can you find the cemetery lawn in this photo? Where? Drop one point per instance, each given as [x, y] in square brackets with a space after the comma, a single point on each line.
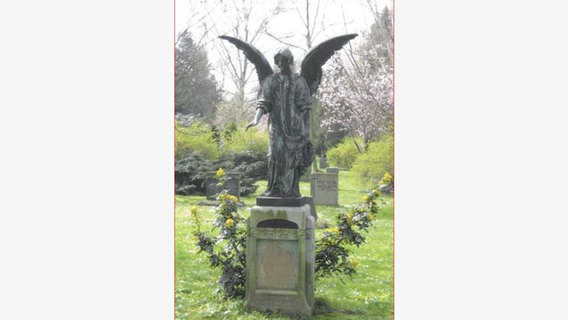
[368, 296]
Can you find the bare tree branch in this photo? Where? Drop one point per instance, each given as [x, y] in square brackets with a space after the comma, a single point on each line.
[285, 42]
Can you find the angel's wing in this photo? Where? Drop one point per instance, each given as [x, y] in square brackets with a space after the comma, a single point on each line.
[318, 56]
[256, 57]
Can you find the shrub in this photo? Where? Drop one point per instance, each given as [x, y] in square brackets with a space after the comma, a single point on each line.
[237, 140]
[244, 152]
[230, 129]
[201, 149]
[190, 173]
[227, 250]
[371, 166]
[344, 154]
[197, 137]
[251, 166]
[331, 251]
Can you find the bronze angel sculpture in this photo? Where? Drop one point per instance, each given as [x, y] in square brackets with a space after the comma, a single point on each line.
[286, 97]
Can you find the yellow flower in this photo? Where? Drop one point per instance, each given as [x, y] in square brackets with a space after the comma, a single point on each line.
[353, 263]
[332, 230]
[220, 173]
[371, 217]
[228, 197]
[229, 223]
[366, 198]
[387, 179]
[193, 210]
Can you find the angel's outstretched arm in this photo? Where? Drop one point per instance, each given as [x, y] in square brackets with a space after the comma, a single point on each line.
[257, 117]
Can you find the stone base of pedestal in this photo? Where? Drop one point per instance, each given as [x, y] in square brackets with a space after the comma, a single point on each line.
[280, 259]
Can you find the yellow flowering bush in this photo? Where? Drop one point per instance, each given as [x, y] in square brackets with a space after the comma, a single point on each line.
[224, 197]
[334, 230]
[332, 255]
[387, 179]
[231, 257]
[331, 250]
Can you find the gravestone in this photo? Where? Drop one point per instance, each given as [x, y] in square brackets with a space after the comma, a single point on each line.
[324, 188]
[332, 170]
[280, 256]
[213, 188]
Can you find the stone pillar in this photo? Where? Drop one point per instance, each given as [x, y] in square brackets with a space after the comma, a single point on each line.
[280, 256]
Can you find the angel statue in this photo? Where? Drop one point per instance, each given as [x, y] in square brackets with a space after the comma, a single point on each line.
[286, 97]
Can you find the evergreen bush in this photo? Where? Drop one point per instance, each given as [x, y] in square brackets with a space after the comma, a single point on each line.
[201, 149]
[190, 173]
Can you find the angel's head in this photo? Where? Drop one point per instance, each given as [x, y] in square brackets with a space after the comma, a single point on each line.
[284, 59]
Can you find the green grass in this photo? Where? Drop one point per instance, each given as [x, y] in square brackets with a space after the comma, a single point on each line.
[368, 296]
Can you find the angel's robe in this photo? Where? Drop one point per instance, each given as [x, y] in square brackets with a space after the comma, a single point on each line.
[286, 98]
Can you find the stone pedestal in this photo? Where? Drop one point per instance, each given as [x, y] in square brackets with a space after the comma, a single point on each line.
[280, 259]
[324, 188]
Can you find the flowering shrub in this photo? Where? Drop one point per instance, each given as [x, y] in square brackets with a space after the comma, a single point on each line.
[331, 253]
[231, 257]
[387, 179]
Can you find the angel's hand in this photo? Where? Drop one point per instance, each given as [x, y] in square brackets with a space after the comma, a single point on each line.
[257, 117]
[252, 124]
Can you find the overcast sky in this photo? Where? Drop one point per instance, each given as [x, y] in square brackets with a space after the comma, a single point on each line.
[341, 17]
